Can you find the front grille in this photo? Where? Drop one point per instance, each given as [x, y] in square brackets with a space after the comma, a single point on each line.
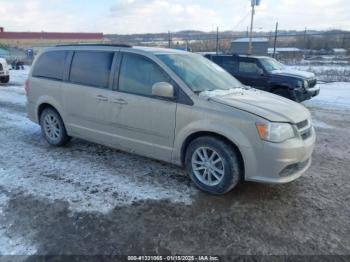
[312, 83]
[304, 129]
[302, 124]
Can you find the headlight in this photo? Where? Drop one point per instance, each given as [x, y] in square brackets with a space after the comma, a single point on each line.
[275, 132]
[306, 84]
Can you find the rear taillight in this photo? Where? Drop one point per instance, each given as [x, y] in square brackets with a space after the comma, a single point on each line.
[26, 86]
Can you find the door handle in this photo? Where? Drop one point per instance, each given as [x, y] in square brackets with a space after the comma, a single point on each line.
[119, 101]
[101, 98]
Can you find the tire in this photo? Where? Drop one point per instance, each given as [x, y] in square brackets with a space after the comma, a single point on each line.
[202, 174]
[5, 79]
[283, 92]
[52, 127]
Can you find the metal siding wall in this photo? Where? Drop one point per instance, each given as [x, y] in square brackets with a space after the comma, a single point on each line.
[259, 48]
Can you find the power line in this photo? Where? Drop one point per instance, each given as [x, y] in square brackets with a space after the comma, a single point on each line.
[210, 36]
[241, 21]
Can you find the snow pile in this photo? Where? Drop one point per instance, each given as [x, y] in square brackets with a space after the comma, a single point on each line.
[13, 92]
[85, 180]
[328, 72]
[233, 91]
[332, 96]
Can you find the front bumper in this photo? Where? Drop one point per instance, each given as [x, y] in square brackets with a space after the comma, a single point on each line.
[278, 163]
[303, 94]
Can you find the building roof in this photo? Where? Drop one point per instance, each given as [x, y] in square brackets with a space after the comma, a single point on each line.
[50, 35]
[254, 40]
[284, 49]
[339, 50]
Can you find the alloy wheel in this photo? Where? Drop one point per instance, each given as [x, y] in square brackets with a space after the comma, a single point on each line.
[208, 166]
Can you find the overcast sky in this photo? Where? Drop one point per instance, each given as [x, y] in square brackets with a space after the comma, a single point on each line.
[149, 16]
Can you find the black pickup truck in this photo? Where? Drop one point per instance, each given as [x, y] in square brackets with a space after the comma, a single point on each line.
[268, 74]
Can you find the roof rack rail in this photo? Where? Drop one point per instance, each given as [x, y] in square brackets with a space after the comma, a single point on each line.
[113, 45]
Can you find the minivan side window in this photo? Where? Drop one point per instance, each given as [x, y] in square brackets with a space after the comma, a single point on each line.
[138, 74]
[50, 65]
[91, 68]
[249, 68]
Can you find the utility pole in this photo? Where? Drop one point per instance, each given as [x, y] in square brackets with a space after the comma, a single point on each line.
[250, 45]
[169, 39]
[305, 32]
[217, 40]
[275, 42]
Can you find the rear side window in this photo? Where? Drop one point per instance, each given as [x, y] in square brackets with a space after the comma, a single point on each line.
[50, 65]
[138, 74]
[91, 68]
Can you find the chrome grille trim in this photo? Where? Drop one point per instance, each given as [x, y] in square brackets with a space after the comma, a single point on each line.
[312, 82]
[304, 129]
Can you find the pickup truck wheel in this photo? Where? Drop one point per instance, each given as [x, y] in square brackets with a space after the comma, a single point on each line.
[53, 128]
[213, 165]
[282, 92]
[5, 79]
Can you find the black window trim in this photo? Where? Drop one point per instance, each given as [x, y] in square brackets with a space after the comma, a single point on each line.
[69, 67]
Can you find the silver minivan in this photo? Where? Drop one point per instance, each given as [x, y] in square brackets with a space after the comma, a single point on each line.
[172, 106]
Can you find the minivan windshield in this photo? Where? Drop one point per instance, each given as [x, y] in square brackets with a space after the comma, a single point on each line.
[271, 64]
[199, 73]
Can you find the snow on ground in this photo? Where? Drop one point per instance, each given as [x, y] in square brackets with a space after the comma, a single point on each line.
[14, 91]
[321, 124]
[335, 71]
[80, 180]
[332, 96]
[86, 176]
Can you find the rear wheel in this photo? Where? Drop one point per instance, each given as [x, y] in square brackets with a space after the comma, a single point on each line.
[213, 165]
[53, 128]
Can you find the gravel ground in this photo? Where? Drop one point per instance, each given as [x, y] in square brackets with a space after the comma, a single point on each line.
[89, 199]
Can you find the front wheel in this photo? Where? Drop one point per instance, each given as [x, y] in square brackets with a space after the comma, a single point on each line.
[5, 79]
[213, 165]
[53, 128]
[283, 92]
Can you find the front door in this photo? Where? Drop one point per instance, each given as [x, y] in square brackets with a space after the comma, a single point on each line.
[144, 123]
[250, 73]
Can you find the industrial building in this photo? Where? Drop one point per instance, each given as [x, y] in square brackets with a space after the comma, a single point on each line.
[240, 46]
[29, 39]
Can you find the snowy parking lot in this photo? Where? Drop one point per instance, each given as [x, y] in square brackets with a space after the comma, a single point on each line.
[89, 199]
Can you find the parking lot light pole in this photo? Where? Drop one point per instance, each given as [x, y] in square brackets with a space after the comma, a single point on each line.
[250, 45]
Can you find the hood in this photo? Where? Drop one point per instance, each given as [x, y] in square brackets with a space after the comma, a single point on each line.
[266, 105]
[293, 73]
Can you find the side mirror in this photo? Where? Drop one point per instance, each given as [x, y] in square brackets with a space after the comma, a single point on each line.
[260, 72]
[163, 89]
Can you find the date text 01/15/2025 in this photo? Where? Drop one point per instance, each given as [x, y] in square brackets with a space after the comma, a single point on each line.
[173, 258]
